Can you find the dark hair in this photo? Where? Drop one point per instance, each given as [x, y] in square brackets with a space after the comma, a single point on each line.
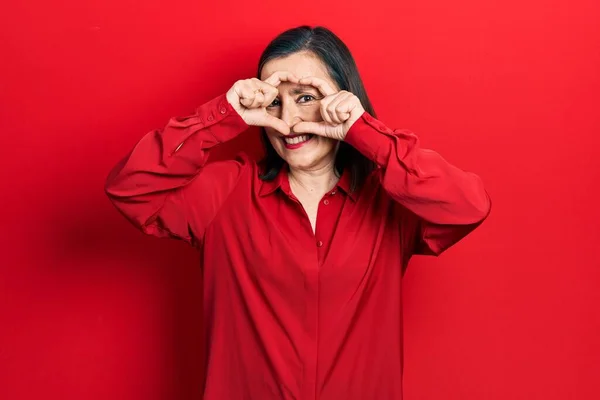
[341, 67]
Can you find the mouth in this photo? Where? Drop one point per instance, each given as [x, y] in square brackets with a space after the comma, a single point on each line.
[296, 141]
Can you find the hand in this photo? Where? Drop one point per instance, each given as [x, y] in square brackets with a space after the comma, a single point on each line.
[339, 110]
[251, 97]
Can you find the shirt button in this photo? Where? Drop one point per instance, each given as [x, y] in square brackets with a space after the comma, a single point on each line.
[223, 111]
[210, 118]
[332, 193]
[319, 244]
[326, 202]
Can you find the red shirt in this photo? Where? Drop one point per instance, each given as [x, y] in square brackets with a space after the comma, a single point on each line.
[288, 313]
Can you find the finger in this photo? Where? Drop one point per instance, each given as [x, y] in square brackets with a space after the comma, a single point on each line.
[259, 97]
[277, 124]
[323, 86]
[281, 76]
[269, 96]
[247, 95]
[265, 88]
[332, 108]
[270, 92]
[246, 102]
[317, 128]
[346, 107]
[323, 109]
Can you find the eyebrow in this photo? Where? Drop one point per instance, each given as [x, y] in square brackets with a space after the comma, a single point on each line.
[303, 88]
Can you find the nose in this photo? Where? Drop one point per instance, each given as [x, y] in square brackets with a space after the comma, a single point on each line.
[290, 114]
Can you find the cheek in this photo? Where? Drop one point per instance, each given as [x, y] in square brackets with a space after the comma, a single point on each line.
[328, 144]
[273, 111]
[273, 137]
[311, 113]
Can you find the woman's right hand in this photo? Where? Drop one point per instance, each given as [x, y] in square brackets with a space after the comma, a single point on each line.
[251, 97]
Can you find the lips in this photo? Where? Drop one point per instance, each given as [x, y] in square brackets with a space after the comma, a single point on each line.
[296, 141]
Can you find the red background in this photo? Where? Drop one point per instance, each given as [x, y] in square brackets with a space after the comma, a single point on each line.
[92, 309]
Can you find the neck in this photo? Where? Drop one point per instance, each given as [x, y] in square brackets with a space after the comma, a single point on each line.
[316, 181]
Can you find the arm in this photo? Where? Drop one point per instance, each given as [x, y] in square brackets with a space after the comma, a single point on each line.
[446, 202]
[442, 203]
[164, 186]
[164, 179]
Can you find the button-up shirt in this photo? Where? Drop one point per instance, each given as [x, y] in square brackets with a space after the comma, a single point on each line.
[289, 313]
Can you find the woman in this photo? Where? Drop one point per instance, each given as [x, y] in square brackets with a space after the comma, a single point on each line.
[302, 253]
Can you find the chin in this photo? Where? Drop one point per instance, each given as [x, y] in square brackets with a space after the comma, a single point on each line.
[309, 160]
[304, 163]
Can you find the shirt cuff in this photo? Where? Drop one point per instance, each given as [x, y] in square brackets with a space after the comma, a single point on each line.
[371, 137]
[220, 117]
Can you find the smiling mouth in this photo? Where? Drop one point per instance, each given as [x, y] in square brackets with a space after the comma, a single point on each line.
[295, 141]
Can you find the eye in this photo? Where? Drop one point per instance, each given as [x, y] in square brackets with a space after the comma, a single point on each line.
[305, 98]
[275, 103]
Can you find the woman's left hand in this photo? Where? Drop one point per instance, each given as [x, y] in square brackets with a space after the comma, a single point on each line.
[339, 110]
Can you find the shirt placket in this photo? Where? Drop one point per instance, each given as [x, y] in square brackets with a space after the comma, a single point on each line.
[312, 298]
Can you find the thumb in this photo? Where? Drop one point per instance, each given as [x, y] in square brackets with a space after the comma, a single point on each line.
[277, 124]
[317, 128]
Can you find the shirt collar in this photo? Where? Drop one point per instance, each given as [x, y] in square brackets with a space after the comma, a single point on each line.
[268, 187]
[282, 182]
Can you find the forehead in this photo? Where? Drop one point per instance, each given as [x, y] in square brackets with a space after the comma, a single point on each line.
[301, 64]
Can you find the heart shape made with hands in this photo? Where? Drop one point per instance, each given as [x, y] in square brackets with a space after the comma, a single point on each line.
[339, 109]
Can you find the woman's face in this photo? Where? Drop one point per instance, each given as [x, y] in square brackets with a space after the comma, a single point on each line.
[297, 103]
